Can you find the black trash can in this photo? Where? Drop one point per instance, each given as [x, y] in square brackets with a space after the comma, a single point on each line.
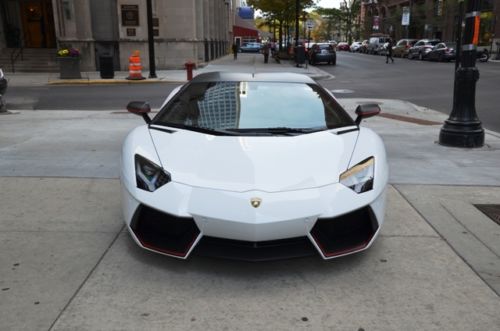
[106, 67]
[300, 54]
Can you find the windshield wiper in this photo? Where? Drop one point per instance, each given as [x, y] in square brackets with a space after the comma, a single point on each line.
[280, 130]
[201, 129]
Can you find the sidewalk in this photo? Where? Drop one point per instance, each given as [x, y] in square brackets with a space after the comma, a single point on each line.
[67, 264]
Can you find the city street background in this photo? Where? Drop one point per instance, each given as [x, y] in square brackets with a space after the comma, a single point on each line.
[427, 84]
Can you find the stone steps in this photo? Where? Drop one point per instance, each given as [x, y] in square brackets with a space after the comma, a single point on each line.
[34, 60]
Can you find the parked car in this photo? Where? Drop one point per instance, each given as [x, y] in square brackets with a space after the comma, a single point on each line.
[442, 52]
[375, 44]
[3, 83]
[364, 46]
[355, 46]
[322, 52]
[343, 46]
[402, 46]
[3, 88]
[273, 157]
[250, 48]
[422, 48]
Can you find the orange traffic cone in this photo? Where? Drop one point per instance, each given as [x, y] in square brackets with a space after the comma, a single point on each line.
[135, 67]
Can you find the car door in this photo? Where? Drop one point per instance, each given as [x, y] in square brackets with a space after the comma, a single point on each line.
[413, 52]
[437, 51]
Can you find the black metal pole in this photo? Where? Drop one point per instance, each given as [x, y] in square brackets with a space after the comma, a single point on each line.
[458, 50]
[151, 42]
[463, 128]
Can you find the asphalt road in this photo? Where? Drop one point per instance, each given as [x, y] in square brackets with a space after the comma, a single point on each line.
[427, 84]
[86, 97]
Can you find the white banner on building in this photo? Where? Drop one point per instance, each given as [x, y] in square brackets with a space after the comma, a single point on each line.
[376, 22]
[405, 18]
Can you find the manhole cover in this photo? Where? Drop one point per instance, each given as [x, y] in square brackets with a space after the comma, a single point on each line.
[492, 211]
[342, 91]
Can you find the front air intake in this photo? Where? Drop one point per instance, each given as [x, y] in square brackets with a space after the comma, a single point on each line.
[164, 233]
[345, 234]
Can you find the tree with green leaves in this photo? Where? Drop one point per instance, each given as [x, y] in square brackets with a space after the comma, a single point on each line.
[282, 12]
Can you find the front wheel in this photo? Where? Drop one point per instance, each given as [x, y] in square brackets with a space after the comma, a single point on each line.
[483, 56]
[420, 56]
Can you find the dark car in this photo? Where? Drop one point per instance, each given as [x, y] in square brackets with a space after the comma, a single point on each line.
[402, 46]
[422, 48]
[323, 52]
[442, 52]
[3, 88]
[250, 48]
[3, 83]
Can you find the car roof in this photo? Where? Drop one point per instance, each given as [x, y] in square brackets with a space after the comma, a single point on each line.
[224, 76]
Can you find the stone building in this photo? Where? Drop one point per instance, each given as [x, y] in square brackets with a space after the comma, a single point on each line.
[428, 19]
[185, 30]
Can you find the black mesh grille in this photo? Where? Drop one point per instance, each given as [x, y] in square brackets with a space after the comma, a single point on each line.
[346, 233]
[164, 232]
[255, 251]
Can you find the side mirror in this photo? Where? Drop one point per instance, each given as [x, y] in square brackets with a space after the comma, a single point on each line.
[365, 111]
[140, 108]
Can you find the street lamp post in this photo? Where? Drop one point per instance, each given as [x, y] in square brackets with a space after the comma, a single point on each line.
[463, 128]
[151, 42]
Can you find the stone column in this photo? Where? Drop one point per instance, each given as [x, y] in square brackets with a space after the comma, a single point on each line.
[74, 29]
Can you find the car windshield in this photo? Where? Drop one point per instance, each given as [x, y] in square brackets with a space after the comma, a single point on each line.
[253, 107]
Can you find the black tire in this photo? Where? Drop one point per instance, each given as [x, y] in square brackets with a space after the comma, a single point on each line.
[410, 56]
[440, 58]
[420, 56]
[483, 56]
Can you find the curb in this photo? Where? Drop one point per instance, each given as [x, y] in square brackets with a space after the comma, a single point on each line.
[105, 81]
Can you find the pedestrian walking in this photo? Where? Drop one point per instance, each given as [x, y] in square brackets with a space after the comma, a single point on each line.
[388, 51]
[265, 51]
[235, 50]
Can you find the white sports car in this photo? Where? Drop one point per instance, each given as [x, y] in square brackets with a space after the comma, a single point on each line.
[254, 167]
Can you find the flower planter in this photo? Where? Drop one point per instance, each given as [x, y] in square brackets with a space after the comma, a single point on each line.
[69, 67]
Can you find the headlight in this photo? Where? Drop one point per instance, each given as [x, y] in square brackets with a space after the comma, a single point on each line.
[149, 176]
[360, 177]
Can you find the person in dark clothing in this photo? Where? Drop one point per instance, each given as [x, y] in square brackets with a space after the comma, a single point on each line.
[388, 53]
[265, 51]
[235, 50]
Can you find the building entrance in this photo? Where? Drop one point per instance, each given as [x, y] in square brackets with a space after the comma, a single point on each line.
[37, 23]
[27, 23]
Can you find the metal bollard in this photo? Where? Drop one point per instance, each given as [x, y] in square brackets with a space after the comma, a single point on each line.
[189, 69]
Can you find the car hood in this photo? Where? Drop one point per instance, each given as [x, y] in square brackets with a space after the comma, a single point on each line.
[246, 163]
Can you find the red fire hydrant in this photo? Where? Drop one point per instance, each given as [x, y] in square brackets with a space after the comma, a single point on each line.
[189, 69]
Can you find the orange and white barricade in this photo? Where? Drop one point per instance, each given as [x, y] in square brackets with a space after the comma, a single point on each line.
[135, 67]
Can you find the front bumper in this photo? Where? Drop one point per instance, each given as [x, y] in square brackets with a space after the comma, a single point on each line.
[179, 220]
[318, 57]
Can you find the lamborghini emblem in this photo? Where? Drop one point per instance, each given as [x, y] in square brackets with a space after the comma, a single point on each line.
[255, 202]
